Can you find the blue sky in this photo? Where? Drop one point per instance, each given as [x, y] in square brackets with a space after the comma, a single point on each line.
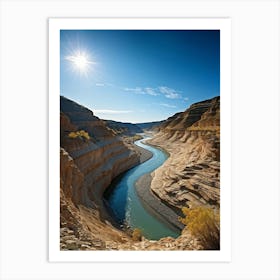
[139, 75]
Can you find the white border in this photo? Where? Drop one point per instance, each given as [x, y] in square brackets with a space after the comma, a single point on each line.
[55, 25]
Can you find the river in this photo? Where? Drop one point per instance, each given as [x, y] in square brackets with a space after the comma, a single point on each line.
[125, 204]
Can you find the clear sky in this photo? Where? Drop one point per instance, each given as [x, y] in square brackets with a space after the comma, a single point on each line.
[139, 75]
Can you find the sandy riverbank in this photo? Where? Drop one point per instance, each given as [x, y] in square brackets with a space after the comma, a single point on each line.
[154, 205]
[144, 154]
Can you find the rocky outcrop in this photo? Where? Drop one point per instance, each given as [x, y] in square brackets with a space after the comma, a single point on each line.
[84, 119]
[71, 178]
[100, 158]
[88, 163]
[81, 227]
[191, 175]
[85, 228]
[184, 242]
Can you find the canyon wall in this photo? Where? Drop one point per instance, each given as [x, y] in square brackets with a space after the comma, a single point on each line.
[85, 228]
[88, 163]
[91, 155]
[100, 158]
[191, 175]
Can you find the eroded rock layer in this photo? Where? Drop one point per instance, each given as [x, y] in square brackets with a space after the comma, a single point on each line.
[91, 155]
[191, 175]
[88, 164]
[100, 158]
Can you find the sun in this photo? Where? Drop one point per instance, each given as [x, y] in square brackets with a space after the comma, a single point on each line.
[80, 61]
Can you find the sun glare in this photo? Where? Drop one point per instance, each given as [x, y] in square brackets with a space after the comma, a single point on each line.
[80, 62]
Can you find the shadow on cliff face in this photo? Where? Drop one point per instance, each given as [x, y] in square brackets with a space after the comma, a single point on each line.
[121, 197]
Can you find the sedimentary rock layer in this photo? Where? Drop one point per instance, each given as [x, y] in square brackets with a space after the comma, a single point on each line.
[85, 228]
[191, 175]
[100, 158]
[87, 167]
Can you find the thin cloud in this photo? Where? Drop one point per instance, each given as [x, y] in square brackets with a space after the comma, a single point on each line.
[150, 91]
[186, 99]
[105, 85]
[107, 111]
[140, 90]
[170, 93]
[134, 90]
[167, 105]
[161, 90]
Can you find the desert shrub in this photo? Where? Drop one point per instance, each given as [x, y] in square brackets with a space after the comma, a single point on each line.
[136, 137]
[84, 134]
[72, 135]
[204, 224]
[136, 234]
[80, 133]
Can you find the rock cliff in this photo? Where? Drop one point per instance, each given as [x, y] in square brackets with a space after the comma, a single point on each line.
[100, 158]
[82, 227]
[191, 175]
[91, 155]
[88, 163]
[85, 228]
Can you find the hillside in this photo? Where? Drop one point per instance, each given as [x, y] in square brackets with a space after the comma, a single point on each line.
[130, 129]
[191, 175]
[88, 164]
[124, 129]
[91, 156]
[149, 125]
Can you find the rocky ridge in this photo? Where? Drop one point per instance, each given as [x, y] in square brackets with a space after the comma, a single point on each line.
[87, 167]
[100, 158]
[126, 129]
[85, 228]
[191, 175]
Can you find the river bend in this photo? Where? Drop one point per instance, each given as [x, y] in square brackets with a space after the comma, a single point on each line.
[125, 204]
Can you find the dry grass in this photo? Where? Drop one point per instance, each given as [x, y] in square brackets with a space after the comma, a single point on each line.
[80, 133]
[136, 234]
[204, 224]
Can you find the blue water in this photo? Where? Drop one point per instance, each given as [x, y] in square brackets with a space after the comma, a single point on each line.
[126, 206]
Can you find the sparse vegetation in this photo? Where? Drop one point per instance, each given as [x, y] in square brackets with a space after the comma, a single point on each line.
[80, 133]
[136, 137]
[203, 223]
[136, 234]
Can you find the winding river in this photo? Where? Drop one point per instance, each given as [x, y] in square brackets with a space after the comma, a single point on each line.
[125, 204]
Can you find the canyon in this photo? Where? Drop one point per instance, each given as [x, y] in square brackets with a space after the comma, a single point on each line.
[93, 152]
[191, 175]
